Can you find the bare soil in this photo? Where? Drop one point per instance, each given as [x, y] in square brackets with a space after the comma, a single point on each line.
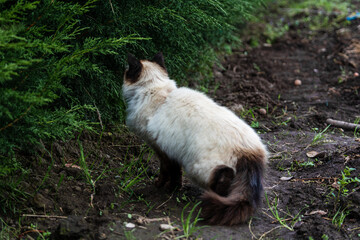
[250, 79]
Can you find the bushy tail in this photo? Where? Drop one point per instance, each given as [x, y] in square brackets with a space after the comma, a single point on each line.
[244, 193]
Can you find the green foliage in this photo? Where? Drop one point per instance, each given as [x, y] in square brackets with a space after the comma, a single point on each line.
[61, 63]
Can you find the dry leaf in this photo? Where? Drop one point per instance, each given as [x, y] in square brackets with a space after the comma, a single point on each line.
[72, 165]
[286, 178]
[335, 185]
[314, 154]
[320, 212]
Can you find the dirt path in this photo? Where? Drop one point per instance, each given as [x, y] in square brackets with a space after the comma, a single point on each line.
[303, 190]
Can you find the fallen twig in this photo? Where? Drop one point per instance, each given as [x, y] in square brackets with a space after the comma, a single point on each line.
[253, 235]
[30, 231]
[314, 178]
[342, 124]
[43, 216]
[145, 220]
[266, 233]
[165, 201]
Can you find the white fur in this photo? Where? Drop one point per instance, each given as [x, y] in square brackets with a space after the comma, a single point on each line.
[185, 124]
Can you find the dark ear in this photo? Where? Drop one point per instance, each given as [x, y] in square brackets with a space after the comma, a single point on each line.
[159, 59]
[135, 66]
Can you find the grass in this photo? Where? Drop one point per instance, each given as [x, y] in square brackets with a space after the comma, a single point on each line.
[7, 232]
[189, 223]
[134, 171]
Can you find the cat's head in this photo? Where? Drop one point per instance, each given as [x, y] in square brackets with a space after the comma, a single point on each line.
[142, 71]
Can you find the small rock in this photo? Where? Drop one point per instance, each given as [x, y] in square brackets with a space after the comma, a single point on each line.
[77, 188]
[164, 227]
[218, 74]
[102, 236]
[262, 111]
[129, 225]
[297, 82]
[41, 202]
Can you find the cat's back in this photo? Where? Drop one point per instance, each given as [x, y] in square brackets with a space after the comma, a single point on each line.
[195, 116]
[191, 101]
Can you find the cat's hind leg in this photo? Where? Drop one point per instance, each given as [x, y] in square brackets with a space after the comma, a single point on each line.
[170, 176]
[221, 179]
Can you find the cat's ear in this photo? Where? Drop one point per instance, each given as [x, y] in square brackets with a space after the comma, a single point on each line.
[134, 70]
[159, 59]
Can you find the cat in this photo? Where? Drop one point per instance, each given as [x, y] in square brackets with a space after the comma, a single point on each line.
[218, 151]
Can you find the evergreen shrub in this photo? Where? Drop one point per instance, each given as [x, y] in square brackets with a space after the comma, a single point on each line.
[62, 62]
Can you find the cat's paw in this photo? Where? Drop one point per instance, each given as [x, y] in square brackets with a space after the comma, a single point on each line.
[171, 186]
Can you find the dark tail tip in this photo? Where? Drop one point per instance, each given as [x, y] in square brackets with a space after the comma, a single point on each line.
[244, 193]
[217, 210]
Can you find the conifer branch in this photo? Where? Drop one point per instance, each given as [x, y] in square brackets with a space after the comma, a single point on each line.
[17, 119]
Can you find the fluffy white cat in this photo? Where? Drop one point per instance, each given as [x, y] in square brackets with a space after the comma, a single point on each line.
[218, 151]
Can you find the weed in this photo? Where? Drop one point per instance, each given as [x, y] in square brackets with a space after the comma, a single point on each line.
[305, 164]
[343, 182]
[86, 170]
[256, 67]
[129, 235]
[325, 237]
[282, 220]
[339, 217]
[357, 130]
[133, 171]
[254, 124]
[47, 174]
[7, 232]
[190, 227]
[60, 181]
[319, 137]
[244, 113]
[147, 203]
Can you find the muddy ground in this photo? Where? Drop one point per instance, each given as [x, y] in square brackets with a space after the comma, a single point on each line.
[302, 180]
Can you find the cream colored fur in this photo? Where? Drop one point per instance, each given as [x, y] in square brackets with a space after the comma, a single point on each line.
[185, 124]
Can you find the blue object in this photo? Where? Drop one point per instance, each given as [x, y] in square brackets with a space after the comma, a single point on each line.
[353, 16]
